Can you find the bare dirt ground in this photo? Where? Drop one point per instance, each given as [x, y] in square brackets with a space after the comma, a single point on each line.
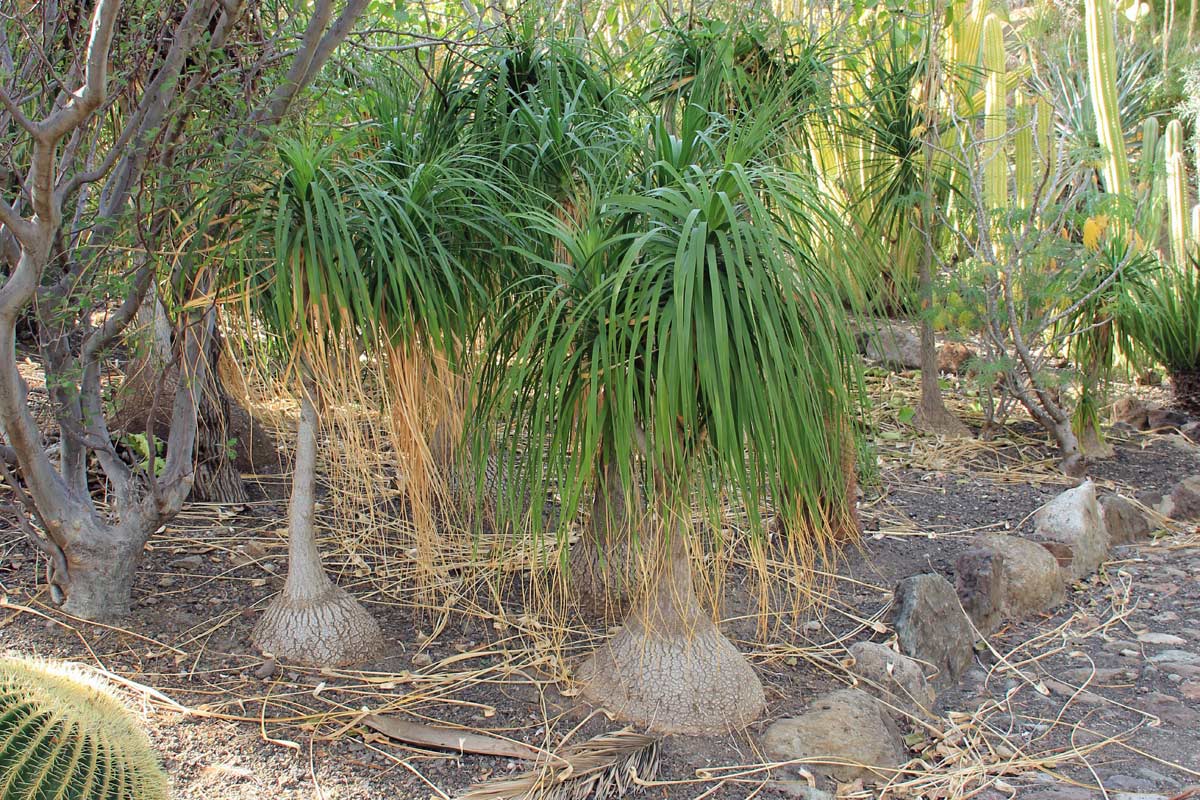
[1069, 706]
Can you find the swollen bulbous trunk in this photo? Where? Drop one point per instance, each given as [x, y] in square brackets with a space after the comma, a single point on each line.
[603, 572]
[312, 621]
[669, 668]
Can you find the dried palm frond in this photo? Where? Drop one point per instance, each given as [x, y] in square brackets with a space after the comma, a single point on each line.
[604, 766]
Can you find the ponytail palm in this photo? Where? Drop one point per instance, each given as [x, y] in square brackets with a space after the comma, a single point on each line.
[350, 254]
[682, 330]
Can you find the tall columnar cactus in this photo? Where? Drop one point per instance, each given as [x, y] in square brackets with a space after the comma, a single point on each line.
[962, 46]
[64, 735]
[1177, 200]
[995, 125]
[1102, 72]
[1023, 151]
[1149, 156]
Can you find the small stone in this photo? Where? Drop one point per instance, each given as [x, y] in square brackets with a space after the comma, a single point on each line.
[1172, 710]
[953, 357]
[932, 627]
[1186, 670]
[1060, 792]
[188, 562]
[1155, 637]
[894, 678]
[1066, 690]
[1132, 411]
[166, 580]
[1191, 431]
[1123, 520]
[1166, 420]
[1153, 775]
[1127, 783]
[846, 725]
[1099, 675]
[1190, 689]
[1072, 526]
[422, 660]
[802, 790]
[1175, 657]
[1184, 501]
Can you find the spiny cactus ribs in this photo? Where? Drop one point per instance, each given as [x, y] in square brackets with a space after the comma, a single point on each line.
[64, 734]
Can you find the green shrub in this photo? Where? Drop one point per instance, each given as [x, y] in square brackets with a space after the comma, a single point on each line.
[1162, 317]
[65, 735]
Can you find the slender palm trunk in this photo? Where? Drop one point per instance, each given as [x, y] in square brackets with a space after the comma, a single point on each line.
[669, 667]
[603, 572]
[312, 621]
[932, 414]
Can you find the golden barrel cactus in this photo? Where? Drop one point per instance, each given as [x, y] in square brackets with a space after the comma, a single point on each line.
[63, 734]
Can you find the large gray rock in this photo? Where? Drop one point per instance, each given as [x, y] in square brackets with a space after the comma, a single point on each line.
[1033, 580]
[892, 344]
[847, 734]
[1183, 503]
[894, 678]
[980, 583]
[932, 627]
[1071, 526]
[1007, 577]
[1123, 520]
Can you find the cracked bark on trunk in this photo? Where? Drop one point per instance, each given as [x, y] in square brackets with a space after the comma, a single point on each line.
[217, 476]
[602, 563]
[669, 668]
[313, 621]
[101, 569]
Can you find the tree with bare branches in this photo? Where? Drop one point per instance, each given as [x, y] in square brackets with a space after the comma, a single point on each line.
[101, 179]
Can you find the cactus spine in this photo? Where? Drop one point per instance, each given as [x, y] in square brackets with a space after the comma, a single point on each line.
[1177, 202]
[64, 735]
[1102, 72]
[995, 125]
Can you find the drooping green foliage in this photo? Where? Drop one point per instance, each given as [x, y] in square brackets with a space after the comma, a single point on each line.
[1162, 316]
[679, 326]
[65, 735]
[382, 248]
[734, 67]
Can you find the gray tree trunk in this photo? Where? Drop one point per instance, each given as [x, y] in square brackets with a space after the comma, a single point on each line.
[603, 572]
[313, 621]
[669, 668]
[101, 569]
[217, 476]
